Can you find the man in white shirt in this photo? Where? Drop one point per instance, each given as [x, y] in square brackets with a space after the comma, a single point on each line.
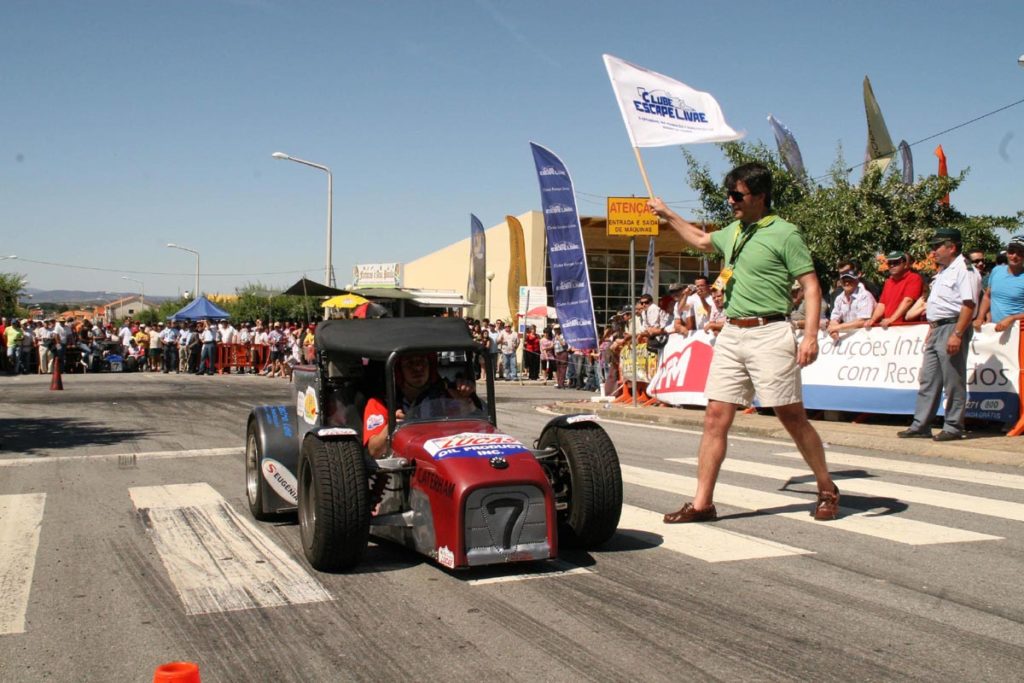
[952, 302]
[852, 307]
[650, 319]
[700, 305]
[508, 343]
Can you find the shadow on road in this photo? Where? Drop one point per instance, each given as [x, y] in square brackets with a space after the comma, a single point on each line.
[31, 435]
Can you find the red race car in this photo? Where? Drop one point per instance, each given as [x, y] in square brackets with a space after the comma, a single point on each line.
[444, 480]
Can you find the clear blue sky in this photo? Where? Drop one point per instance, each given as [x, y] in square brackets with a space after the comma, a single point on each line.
[127, 125]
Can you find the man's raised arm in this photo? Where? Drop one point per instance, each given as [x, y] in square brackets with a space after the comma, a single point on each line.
[691, 234]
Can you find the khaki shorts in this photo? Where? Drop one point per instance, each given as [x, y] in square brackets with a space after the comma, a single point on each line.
[759, 360]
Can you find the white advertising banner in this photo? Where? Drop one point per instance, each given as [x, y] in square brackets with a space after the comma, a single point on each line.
[870, 371]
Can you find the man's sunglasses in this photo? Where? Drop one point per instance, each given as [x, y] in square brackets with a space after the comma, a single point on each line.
[977, 260]
[737, 196]
[895, 262]
[1015, 250]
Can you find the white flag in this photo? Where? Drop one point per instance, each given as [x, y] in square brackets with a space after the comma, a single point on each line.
[660, 111]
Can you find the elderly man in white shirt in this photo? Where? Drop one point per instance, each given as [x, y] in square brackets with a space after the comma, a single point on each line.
[853, 306]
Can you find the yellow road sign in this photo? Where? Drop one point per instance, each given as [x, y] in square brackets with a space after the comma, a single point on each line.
[629, 217]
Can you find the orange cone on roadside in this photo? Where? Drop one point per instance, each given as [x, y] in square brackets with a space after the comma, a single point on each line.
[56, 383]
[177, 672]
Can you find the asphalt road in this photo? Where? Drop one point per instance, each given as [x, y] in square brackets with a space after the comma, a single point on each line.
[920, 580]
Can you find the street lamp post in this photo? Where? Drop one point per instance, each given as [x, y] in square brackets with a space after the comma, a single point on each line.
[195, 292]
[490, 279]
[142, 287]
[328, 269]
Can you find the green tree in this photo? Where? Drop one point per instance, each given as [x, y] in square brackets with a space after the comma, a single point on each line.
[257, 301]
[847, 220]
[11, 287]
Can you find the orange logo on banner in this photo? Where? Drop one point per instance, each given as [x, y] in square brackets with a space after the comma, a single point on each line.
[629, 217]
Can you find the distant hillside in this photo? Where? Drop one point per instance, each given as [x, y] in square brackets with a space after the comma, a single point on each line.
[79, 297]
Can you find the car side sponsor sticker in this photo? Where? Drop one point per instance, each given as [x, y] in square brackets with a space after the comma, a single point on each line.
[335, 431]
[584, 417]
[445, 557]
[473, 445]
[306, 405]
[281, 480]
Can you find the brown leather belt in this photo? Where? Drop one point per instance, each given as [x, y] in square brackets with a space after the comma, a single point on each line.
[756, 321]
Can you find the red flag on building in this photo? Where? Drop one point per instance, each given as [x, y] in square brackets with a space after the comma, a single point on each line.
[943, 171]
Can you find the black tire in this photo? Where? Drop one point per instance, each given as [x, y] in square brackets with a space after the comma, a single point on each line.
[334, 505]
[585, 475]
[254, 473]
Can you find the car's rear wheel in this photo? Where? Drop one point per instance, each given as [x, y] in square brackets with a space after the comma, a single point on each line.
[587, 482]
[254, 473]
[334, 508]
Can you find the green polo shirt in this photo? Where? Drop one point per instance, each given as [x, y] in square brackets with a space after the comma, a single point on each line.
[773, 256]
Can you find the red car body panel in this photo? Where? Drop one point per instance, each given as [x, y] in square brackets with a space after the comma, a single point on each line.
[453, 460]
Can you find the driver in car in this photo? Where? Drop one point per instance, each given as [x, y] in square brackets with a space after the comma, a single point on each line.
[420, 388]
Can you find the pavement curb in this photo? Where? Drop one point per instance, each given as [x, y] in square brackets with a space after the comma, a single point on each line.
[982, 449]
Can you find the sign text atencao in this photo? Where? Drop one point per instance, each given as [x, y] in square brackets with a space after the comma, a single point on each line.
[629, 217]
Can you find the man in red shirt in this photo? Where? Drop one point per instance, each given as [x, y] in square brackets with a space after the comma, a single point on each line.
[899, 293]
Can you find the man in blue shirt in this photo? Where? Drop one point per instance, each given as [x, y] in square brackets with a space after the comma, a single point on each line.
[1004, 296]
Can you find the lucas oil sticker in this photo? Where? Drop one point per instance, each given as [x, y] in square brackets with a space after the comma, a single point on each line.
[473, 445]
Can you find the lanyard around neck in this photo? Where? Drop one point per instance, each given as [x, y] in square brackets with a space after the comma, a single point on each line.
[747, 234]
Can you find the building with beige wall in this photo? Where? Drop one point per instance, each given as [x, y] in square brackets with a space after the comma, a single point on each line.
[607, 261]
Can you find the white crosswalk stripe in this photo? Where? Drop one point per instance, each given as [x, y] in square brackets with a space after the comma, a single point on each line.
[889, 527]
[21, 518]
[1000, 479]
[702, 541]
[217, 559]
[872, 487]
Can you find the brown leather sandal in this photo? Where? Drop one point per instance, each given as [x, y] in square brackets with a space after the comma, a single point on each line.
[687, 514]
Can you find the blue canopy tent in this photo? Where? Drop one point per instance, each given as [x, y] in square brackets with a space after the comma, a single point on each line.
[200, 309]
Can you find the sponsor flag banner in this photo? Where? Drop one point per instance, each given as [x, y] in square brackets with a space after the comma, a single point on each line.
[629, 217]
[570, 280]
[476, 288]
[788, 149]
[516, 262]
[649, 271]
[907, 162]
[880, 150]
[660, 111]
[943, 171]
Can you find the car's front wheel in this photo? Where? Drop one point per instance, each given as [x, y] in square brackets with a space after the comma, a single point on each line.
[334, 509]
[587, 482]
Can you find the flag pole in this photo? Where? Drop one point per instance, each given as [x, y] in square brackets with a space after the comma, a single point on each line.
[632, 286]
[643, 172]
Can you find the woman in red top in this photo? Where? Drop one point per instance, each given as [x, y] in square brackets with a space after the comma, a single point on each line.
[531, 352]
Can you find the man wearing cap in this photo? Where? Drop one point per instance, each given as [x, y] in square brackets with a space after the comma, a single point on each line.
[756, 351]
[852, 306]
[677, 291]
[1004, 296]
[700, 305]
[900, 291]
[952, 302]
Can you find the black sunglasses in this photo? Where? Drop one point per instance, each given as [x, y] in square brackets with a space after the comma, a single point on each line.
[977, 260]
[895, 262]
[737, 196]
[1014, 250]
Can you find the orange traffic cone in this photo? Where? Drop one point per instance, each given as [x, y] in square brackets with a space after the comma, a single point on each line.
[177, 672]
[56, 383]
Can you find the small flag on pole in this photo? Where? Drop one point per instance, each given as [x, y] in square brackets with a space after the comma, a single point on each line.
[880, 150]
[788, 149]
[943, 171]
[660, 111]
[907, 160]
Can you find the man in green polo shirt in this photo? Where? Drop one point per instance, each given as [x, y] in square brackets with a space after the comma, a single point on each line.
[756, 352]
